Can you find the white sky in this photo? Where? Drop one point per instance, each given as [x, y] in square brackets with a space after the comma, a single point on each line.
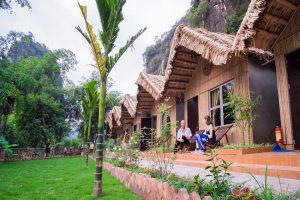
[53, 22]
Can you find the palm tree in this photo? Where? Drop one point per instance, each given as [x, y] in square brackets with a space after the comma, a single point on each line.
[110, 12]
[89, 104]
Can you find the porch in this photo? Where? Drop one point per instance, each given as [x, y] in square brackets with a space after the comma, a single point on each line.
[283, 165]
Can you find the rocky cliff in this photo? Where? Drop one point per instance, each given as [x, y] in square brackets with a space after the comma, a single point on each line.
[213, 15]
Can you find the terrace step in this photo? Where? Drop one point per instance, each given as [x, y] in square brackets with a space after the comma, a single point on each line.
[291, 172]
[275, 159]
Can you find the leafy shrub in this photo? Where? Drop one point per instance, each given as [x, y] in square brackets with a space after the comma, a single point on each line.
[195, 15]
[126, 154]
[5, 145]
[266, 192]
[233, 21]
[161, 163]
[246, 146]
[109, 144]
[219, 187]
[242, 108]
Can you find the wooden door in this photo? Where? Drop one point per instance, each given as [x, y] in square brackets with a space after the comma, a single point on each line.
[193, 115]
[146, 130]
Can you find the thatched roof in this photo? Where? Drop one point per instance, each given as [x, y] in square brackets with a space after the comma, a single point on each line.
[214, 47]
[113, 118]
[109, 120]
[149, 89]
[128, 108]
[263, 23]
[189, 46]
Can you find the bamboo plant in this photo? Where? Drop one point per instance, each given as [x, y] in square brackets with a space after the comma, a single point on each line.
[110, 13]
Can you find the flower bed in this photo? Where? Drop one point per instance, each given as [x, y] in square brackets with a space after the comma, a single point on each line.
[147, 187]
[243, 149]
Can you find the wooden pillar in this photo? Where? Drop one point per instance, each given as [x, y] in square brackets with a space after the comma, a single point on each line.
[284, 100]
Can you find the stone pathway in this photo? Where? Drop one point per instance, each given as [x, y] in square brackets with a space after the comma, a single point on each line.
[189, 172]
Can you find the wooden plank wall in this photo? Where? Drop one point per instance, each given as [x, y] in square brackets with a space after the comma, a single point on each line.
[236, 69]
[288, 41]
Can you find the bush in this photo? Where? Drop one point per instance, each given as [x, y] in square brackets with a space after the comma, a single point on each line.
[219, 187]
[246, 146]
[233, 21]
[5, 145]
[126, 154]
[195, 16]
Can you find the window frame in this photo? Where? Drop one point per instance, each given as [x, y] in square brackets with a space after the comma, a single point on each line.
[222, 104]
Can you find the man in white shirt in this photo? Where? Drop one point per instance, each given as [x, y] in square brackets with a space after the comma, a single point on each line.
[184, 135]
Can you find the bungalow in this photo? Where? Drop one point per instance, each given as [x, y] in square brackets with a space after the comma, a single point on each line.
[113, 121]
[274, 25]
[128, 110]
[149, 96]
[202, 70]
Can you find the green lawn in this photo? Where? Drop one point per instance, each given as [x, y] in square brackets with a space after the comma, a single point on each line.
[60, 178]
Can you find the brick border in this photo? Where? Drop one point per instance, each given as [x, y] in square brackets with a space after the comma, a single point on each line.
[149, 188]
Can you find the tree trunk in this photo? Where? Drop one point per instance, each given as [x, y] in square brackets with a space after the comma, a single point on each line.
[99, 145]
[84, 145]
[86, 151]
[88, 142]
[249, 135]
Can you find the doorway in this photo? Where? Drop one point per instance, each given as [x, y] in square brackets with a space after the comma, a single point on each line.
[146, 139]
[193, 115]
[293, 69]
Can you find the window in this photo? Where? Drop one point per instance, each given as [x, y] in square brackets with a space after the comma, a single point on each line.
[219, 110]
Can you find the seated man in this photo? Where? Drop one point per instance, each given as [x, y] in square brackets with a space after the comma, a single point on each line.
[183, 136]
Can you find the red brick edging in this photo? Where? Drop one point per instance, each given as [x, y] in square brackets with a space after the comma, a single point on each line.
[149, 188]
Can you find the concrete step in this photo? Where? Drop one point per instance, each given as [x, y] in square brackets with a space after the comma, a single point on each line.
[277, 159]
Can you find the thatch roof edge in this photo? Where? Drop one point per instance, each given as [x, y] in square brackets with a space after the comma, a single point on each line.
[246, 30]
[130, 104]
[153, 90]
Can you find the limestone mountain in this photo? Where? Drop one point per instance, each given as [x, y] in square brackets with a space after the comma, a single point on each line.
[213, 15]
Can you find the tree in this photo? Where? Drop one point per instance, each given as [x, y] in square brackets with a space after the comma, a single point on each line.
[89, 104]
[242, 107]
[110, 12]
[5, 4]
[34, 104]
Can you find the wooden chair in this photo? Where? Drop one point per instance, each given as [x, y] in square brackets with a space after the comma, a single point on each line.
[220, 132]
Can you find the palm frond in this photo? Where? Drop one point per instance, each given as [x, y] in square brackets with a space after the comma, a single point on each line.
[84, 34]
[112, 60]
[109, 34]
[92, 38]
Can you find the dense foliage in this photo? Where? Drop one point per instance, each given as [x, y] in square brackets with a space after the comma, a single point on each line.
[234, 20]
[34, 105]
[6, 4]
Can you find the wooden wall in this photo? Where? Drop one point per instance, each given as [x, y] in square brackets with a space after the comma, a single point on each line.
[288, 41]
[236, 69]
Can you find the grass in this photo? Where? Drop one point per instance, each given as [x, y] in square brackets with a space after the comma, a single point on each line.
[246, 146]
[60, 178]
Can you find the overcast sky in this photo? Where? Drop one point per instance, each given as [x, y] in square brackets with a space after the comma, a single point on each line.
[52, 22]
